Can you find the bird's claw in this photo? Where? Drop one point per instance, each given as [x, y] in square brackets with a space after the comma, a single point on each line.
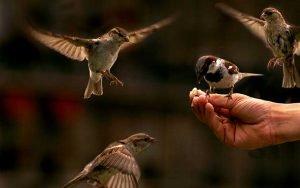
[274, 62]
[229, 96]
[116, 83]
[207, 93]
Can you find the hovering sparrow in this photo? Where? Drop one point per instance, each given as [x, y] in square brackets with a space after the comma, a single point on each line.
[116, 166]
[101, 53]
[282, 38]
[219, 73]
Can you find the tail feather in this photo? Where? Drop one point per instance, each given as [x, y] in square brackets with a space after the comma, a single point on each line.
[93, 88]
[244, 75]
[291, 76]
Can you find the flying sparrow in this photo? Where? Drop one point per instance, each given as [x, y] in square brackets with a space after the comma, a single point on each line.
[116, 166]
[101, 53]
[282, 38]
[219, 73]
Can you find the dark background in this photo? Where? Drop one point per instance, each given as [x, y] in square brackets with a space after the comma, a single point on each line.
[48, 132]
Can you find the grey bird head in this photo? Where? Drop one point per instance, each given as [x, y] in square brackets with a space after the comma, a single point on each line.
[271, 15]
[203, 64]
[138, 142]
[119, 34]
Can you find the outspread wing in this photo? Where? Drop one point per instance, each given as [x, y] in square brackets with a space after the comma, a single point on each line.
[118, 162]
[117, 157]
[255, 25]
[139, 35]
[72, 47]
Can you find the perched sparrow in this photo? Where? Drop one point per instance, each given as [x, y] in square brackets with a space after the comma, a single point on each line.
[219, 73]
[116, 166]
[101, 52]
[282, 38]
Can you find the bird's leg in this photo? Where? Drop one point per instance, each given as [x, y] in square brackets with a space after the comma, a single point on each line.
[209, 91]
[106, 75]
[274, 62]
[229, 95]
[282, 60]
[271, 63]
[115, 81]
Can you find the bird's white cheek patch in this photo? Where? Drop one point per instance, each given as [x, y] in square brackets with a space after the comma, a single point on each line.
[214, 67]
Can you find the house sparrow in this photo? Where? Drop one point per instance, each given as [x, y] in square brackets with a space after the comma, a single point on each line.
[282, 38]
[116, 166]
[101, 53]
[219, 73]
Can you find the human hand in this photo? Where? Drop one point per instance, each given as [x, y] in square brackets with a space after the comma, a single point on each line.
[242, 122]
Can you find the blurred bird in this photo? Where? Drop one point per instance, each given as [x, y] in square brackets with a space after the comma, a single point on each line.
[116, 166]
[101, 52]
[282, 38]
[219, 73]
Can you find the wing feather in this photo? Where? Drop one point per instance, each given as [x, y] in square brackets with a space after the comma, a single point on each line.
[122, 166]
[118, 158]
[255, 25]
[66, 45]
[141, 34]
[120, 180]
[232, 68]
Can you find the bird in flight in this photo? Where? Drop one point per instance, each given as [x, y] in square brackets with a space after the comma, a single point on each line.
[101, 53]
[116, 166]
[283, 39]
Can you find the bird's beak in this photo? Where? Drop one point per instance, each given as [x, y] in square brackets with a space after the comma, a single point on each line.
[127, 39]
[153, 140]
[262, 16]
[131, 40]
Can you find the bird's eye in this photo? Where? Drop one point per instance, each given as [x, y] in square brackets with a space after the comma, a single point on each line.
[121, 35]
[269, 13]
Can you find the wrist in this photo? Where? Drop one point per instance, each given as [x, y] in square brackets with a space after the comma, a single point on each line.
[285, 122]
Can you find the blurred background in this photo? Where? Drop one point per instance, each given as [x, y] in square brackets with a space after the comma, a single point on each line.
[48, 132]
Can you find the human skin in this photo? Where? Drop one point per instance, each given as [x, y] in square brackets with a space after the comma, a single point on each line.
[245, 122]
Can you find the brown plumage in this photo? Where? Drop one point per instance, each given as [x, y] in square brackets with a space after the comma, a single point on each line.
[280, 37]
[116, 166]
[101, 53]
